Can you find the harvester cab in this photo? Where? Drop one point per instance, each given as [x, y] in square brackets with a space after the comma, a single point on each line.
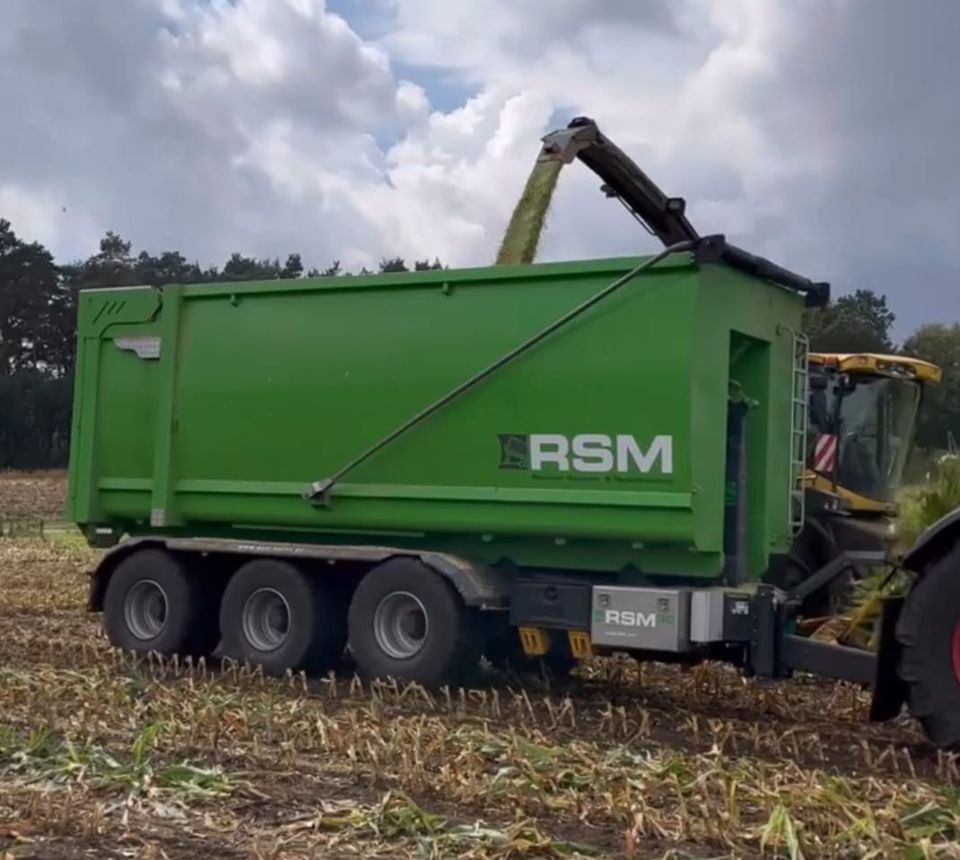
[863, 410]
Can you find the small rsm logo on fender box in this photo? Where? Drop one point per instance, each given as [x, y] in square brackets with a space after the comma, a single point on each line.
[657, 619]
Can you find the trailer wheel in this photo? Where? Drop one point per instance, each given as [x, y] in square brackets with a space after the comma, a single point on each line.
[278, 617]
[408, 622]
[929, 632]
[152, 603]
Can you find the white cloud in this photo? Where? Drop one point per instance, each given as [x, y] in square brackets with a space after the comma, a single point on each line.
[208, 128]
[38, 216]
[813, 132]
[818, 133]
[452, 179]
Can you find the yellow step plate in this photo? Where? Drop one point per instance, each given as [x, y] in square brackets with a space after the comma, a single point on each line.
[580, 645]
[535, 641]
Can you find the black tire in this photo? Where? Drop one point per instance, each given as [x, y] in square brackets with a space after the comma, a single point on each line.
[143, 583]
[445, 632]
[929, 632]
[276, 616]
[808, 554]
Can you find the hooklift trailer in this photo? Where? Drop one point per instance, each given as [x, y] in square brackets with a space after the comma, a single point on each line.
[591, 457]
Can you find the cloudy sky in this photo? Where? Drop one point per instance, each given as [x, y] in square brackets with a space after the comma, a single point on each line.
[822, 133]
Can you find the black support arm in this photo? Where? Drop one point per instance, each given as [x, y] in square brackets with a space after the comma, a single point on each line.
[622, 179]
[661, 215]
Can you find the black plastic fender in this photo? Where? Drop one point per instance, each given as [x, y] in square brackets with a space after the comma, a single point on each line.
[934, 543]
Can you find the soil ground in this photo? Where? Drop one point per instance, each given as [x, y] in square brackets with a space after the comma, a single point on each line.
[103, 755]
[32, 496]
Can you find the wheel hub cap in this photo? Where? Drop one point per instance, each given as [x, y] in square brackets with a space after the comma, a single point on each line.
[400, 625]
[266, 619]
[145, 609]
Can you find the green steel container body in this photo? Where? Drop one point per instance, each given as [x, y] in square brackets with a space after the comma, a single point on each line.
[207, 410]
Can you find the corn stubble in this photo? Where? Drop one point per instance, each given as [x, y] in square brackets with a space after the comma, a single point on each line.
[168, 758]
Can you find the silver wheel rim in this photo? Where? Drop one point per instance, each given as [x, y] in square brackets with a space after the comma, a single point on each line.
[401, 625]
[145, 609]
[266, 619]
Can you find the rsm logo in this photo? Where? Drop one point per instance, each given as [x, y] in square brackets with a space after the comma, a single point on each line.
[629, 618]
[585, 452]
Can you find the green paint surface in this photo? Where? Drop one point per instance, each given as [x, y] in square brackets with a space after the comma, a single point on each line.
[262, 388]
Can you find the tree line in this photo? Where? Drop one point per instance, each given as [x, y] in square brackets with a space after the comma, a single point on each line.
[38, 332]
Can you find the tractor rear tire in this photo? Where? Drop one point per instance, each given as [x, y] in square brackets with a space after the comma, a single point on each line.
[278, 617]
[409, 623]
[928, 631]
[155, 603]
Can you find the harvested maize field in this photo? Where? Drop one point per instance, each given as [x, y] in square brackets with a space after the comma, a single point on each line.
[102, 755]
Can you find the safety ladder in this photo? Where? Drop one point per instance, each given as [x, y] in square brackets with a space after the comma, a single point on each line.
[799, 400]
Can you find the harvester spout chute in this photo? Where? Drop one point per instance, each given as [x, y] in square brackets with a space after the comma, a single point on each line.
[663, 216]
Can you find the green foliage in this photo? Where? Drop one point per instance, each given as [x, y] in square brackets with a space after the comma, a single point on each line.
[396, 264]
[859, 322]
[940, 415]
[393, 264]
[240, 268]
[781, 830]
[113, 266]
[34, 307]
[921, 507]
[329, 272]
[293, 268]
[34, 420]
[426, 265]
[61, 760]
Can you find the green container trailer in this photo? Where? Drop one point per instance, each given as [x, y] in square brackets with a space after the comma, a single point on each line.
[209, 410]
[551, 461]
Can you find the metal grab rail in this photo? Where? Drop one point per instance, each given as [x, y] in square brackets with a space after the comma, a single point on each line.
[318, 490]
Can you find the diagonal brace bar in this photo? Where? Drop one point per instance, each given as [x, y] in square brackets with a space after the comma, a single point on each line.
[318, 490]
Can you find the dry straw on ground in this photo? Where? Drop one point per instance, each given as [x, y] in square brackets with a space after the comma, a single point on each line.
[102, 755]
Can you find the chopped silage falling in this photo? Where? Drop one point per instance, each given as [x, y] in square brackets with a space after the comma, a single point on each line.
[519, 243]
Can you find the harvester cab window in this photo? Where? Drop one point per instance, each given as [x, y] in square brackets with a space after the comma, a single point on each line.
[876, 417]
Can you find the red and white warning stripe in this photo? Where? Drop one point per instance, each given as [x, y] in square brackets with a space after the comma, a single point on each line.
[825, 453]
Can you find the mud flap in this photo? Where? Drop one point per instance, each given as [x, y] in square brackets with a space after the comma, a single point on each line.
[889, 689]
